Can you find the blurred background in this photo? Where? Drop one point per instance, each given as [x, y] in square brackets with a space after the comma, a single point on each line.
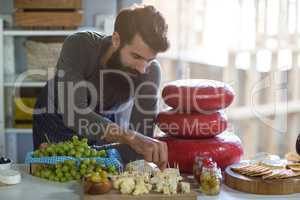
[251, 44]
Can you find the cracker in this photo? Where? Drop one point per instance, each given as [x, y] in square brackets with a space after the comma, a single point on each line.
[252, 170]
[237, 169]
[249, 169]
[293, 165]
[256, 170]
[266, 172]
[276, 173]
[294, 174]
[295, 169]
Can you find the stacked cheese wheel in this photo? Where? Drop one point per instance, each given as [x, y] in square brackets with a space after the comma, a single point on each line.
[197, 123]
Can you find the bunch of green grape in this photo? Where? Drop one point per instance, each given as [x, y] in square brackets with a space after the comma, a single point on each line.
[61, 172]
[75, 148]
[89, 166]
[68, 170]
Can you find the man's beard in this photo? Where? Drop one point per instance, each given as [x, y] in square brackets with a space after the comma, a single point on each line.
[114, 62]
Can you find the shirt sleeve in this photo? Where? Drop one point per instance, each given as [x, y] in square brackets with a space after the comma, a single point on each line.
[145, 106]
[73, 91]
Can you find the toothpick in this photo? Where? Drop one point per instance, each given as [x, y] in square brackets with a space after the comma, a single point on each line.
[48, 141]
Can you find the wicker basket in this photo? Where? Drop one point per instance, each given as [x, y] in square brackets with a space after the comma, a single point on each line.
[42, 56]
[113, 158]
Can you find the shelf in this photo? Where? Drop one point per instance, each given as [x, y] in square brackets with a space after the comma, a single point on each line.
[38, 32]
[10, 81]
[18, 130]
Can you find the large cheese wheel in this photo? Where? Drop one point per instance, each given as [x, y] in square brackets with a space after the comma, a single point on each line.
[194, 125]
[197, 95]
[225, 149]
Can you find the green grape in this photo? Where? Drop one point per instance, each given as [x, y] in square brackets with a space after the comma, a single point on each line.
[72, 152]
[74, 167]
[82, 172]
[102, 165]
[93, 161]
[62, 179]
[36, 154]
[49, 149]
[98, 168]
[58, 165]
[73, 172]
[68, 178]
[80, 150]
[111, 168]
[76, 143]
[71, 146]
[90, 170]
[83, 167]
[75, 138]
[59, 174]
[65, 168]
[93, 153]
[103, 174]
[78, 177]
[78, 155]
[67, 174]
[70, 163]
[47, 173]
[84, 146]
[37, 173]
[101, 153]
[86, 161]
[95, 174]
[65, 150]
[84, 140]
[60, 151]
[46, 154]
[57, 170]
[87, 153]
[51, 178]
[43, 175]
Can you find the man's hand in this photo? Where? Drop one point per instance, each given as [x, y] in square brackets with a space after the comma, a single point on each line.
[153, 150]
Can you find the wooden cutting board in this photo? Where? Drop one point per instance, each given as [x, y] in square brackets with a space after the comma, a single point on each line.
[257, 185]
[116, 195]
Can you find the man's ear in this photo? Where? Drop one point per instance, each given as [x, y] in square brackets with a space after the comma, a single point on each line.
[115, 40]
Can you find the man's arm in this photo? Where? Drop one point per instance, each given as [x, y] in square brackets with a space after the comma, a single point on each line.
[73, 89]
[145, 106]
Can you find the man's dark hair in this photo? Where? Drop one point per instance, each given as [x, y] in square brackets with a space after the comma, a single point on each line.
[146, 21]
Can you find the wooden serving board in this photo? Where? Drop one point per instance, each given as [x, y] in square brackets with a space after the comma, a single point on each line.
[257, 185]
[116, 195]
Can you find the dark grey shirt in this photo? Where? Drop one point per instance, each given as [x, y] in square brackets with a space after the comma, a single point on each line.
[131, 102]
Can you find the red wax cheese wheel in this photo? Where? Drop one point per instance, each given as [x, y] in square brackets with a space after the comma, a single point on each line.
[194, 125]
[197, 95]
[225, 149]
